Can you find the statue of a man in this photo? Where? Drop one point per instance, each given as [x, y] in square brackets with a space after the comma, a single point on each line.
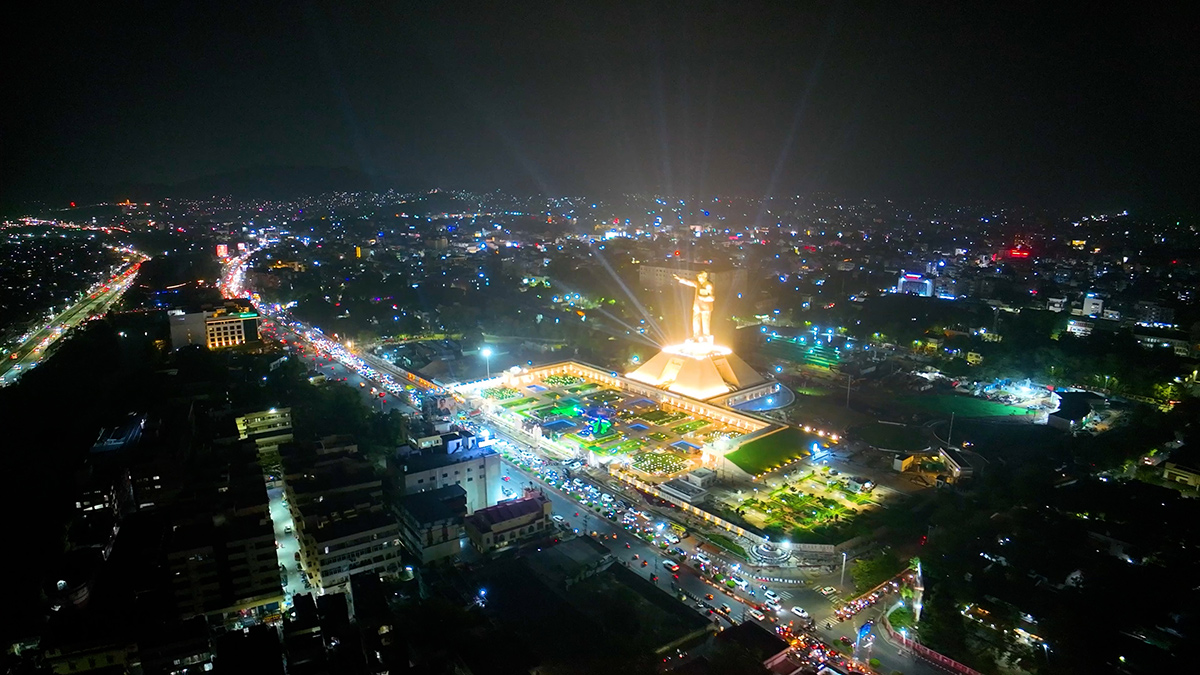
[702, 306]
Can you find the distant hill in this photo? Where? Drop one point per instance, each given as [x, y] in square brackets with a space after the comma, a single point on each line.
[263, 182]
[272, 183]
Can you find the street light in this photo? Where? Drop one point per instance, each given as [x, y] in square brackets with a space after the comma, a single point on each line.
[843, 582]
[486, 352]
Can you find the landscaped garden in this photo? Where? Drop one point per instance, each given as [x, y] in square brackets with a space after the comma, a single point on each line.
[658, 462]
[500, 393]
[689, 427]
[657, 416]
[518, 403]
[562, 380]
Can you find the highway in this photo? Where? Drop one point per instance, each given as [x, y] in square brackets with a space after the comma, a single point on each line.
[30, 352]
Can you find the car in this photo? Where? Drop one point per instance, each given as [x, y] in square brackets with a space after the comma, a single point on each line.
[703, 559]
[799, 611]
[708, 596]
[671, 565]
[757, 614]
[773, 604]
[726, 608]
[645, 562]
[772, 595]
[741, 583]
[557, 518]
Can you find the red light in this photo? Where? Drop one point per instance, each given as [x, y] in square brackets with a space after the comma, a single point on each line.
[72, 204]
[676, 253]
[1018, 253]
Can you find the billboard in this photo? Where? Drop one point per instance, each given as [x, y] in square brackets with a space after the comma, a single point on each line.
[222, 250]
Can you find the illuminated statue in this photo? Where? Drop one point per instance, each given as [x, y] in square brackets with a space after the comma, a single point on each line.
[701, 306]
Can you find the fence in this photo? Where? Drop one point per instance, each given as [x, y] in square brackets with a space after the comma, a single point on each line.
[926, 653]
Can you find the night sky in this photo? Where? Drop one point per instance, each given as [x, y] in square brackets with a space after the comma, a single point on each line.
[1057, 104]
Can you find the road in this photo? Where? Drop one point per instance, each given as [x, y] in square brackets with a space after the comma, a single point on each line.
[33, 349]
[334, 371]
[696, 581]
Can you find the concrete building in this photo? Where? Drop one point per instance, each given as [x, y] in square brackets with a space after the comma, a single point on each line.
[431, 522]
[274, 424]
[1179, 473]
[692, 487]
[510, 522]
[344, 535]
[234, 323]
[1152, 313]
[1092, 305]
[220, 565]
[475, 469]
[567, 563]
[914, 284]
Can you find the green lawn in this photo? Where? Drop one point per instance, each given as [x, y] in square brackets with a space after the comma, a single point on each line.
[518, 403]
[721, 541]
[963, 406]
[607, 396]
[688, 427]
[892, 436]
[773, 450]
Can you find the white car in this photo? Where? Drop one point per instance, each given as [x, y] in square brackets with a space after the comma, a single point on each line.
[757, 614]
[670, 564]
[772, 595]
[557, 518]
[799, 611]
[703, 559]
[741, 583]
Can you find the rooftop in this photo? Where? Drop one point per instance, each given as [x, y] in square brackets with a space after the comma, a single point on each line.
[486, 519]
[435, 505]
[438, 458]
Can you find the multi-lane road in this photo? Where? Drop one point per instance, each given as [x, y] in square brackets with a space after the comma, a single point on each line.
[30, 352]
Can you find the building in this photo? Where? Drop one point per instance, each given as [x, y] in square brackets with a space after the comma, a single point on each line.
[910, 283]
[764, 645]
[702, 371]
[223, 565]
[347, 534]
[431, 522]
[1092, 305]
[569, 562]
[957, 464]
[510, 522]
[1179, 473]
[475, 469]
[1154, 314]
[692, 487]
[273, 424]
[234, 323]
